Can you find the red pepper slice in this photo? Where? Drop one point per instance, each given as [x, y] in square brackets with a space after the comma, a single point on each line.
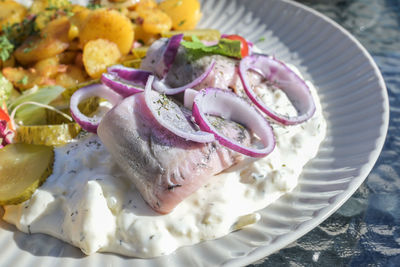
[243, 43]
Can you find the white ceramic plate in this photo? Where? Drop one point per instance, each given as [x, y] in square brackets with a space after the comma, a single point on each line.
[355, 104]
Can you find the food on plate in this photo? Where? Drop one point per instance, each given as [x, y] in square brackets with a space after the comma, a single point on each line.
[185, 147]
[23, 169]
[163, 166]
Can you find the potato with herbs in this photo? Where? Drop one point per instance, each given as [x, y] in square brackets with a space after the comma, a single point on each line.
[52, 41]
[110, 25]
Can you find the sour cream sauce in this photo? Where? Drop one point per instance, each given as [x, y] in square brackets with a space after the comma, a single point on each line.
[89, 203]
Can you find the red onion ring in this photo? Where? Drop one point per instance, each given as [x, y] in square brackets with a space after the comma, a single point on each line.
[87, 123]
[188, 98]
[162, 87]
[135, 76]
[169, 54]
[223, 103]
[120, 85]
[171, 116]
[283, 78]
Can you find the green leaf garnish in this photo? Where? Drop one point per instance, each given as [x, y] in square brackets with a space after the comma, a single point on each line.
[225, 47]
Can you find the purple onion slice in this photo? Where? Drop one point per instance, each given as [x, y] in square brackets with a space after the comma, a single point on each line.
[169, 54]
[223, 103]
[162, 87]
[119, 85]
[188, 98]
[136, 76]
[283, 78]
[90, 124]
[173, 117]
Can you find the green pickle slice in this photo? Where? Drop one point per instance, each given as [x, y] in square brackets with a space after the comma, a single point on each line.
[23, 168]
[49, 135]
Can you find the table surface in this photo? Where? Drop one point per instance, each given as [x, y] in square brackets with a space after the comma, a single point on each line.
[365, 231]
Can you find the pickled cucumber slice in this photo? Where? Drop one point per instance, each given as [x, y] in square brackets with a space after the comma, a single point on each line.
[49, 135]
[70, 91]
[133, 63]
[139, 52]
[23, 168]
[87, 107]
[202, 34]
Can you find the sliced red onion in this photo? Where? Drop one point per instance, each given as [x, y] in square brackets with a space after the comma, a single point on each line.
[171, 116]
[188, 98]
[6, 134]
[162, 87]
[90, 124]
[135, 76]
[119, 85]
[169, 54]
[283, 78]
[223, 103]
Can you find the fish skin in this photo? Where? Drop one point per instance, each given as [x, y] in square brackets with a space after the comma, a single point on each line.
[164, 167]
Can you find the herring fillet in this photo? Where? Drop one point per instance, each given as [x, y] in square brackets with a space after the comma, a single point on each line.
[164, 168]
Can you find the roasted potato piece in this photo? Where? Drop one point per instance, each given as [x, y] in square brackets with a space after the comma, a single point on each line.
[67, 57]
[25, 79]
[57, 29]
[35, 48]
[155, 21]
[142, 36]
[184, 13]
[49, 67]
[79, 17]
[110, 25]
[11, 12]
[42, 5]
[72, 77]
[8, 63]
[98, 55]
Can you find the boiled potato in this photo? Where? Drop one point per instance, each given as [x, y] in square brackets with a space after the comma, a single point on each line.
[10, 13]
[98, 55]
[36, 48]
[110, 25]
[184, 13]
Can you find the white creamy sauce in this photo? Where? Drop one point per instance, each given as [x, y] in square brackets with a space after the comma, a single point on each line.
[88, 202]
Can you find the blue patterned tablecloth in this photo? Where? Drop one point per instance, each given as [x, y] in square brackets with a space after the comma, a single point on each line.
[365, 231]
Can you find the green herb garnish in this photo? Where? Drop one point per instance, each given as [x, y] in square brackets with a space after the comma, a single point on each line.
[6, 48]
[225, 47]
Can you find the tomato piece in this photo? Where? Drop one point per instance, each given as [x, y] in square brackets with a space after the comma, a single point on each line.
[243, 43]
[4, 114]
